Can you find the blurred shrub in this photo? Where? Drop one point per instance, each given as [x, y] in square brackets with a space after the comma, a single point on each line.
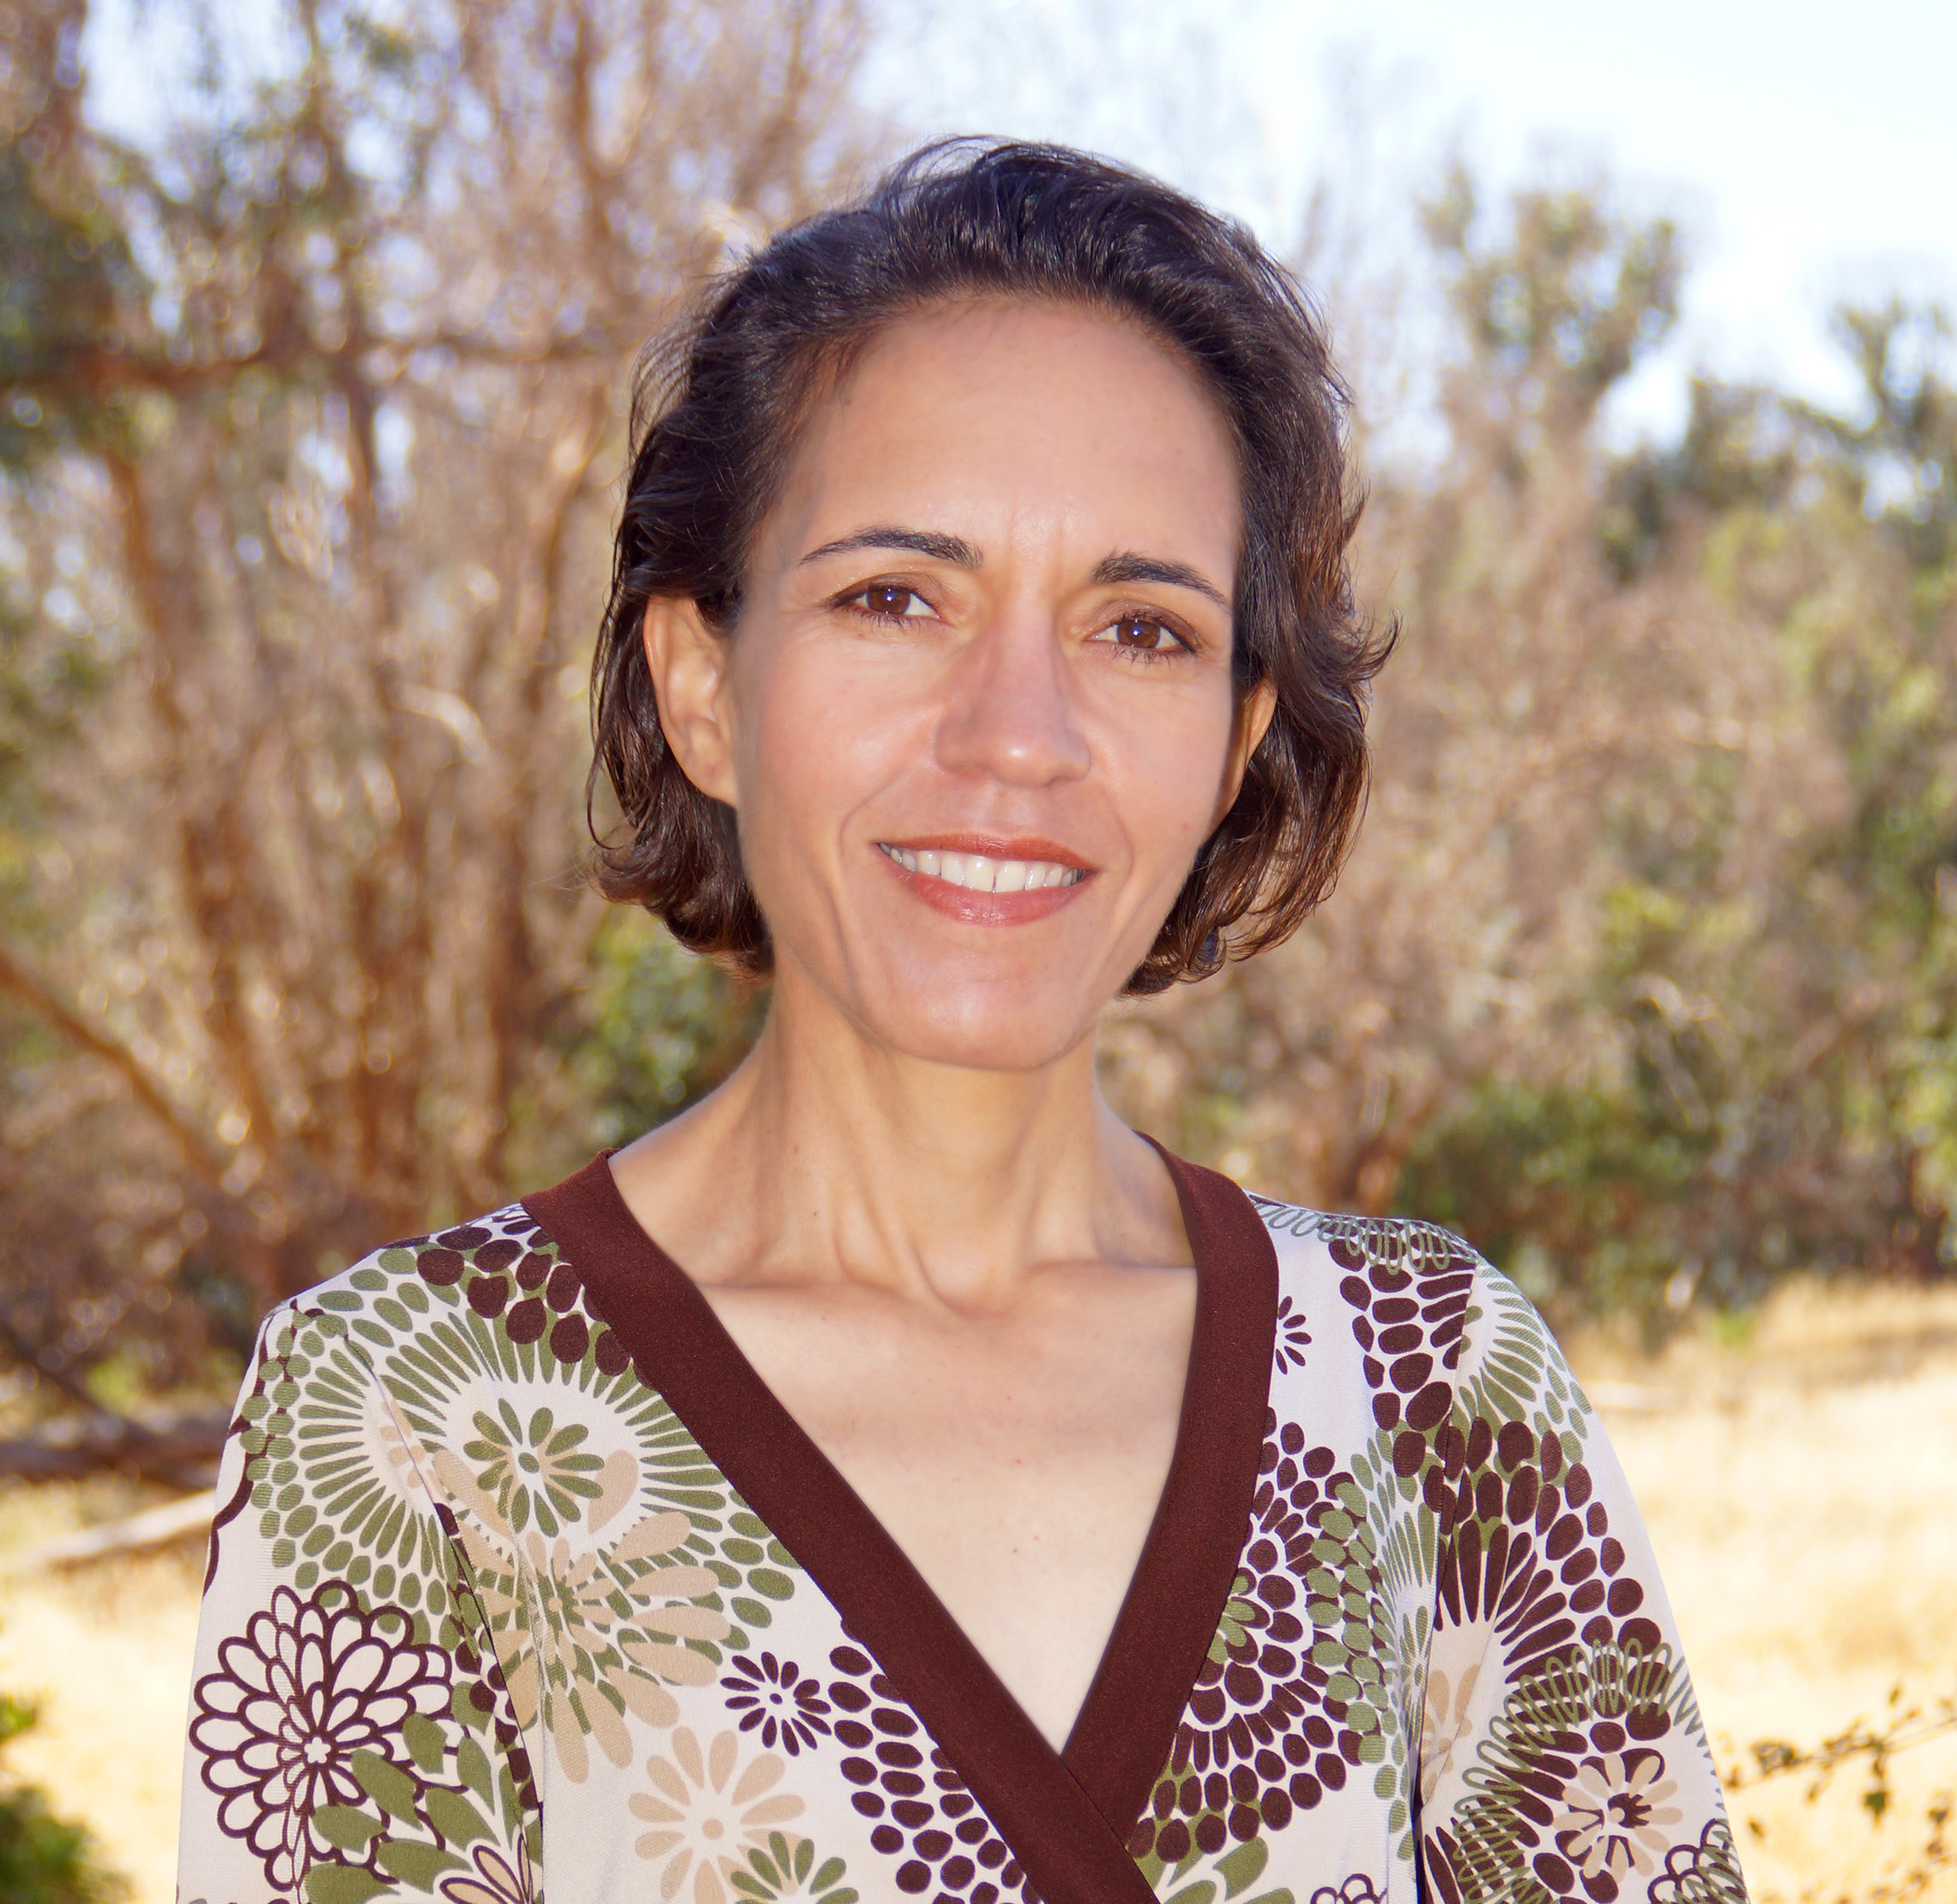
[44, 1859]
[1641, 976]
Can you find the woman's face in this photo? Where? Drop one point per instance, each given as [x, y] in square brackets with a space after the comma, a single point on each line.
[976, 717]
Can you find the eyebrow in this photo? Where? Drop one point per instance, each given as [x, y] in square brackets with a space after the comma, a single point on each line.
[1128, 567]
[1110, 570]
[919, 541]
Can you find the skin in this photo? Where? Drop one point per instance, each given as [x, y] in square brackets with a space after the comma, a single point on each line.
[962, 1275]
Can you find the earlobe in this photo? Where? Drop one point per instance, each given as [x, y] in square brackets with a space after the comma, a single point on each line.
[687, 662]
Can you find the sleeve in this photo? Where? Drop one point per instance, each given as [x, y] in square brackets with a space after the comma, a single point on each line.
[1561, 1744]
[350, 1735]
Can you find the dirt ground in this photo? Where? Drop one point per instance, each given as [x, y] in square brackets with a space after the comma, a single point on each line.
[1800, 1479]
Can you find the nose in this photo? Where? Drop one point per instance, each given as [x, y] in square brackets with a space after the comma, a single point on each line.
[1009, 714]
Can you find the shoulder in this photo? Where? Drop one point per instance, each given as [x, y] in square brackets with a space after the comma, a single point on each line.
[480, 1289]
[1429, 1320]
[454, 1379]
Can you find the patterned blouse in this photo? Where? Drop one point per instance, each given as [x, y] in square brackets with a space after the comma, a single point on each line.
[524, 1583]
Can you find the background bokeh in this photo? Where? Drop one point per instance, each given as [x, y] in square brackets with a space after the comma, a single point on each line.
[315, 334]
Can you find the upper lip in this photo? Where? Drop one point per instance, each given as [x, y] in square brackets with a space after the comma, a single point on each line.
[994, 846]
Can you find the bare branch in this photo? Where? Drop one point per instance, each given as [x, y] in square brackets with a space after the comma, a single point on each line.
[40, 998]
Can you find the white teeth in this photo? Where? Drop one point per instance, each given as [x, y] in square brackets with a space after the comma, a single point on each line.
[977, 873]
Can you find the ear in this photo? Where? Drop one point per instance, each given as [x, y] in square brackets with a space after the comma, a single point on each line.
[688, 662]
[1253, 716]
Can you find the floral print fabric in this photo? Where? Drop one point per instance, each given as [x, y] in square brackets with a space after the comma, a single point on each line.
[484, 1621]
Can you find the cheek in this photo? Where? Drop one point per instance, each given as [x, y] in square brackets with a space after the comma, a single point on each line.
[813, 741]
[1166, 775]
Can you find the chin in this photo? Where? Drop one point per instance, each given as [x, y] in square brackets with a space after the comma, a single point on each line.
[1024, 1023]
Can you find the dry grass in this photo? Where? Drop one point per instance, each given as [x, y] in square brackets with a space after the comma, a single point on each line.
[106, 1652]
[1803, 1499]
[1802, 1492]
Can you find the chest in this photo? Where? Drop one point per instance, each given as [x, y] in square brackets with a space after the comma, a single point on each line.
[1017, 1463]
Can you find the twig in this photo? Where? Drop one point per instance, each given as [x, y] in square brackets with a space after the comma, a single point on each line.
[171, 1522]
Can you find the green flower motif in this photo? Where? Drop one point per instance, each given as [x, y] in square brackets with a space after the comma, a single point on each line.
[1243, 1617]
[534, 1472]
[787, 1868]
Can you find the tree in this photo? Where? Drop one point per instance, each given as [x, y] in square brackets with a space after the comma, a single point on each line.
[1639, 975]
[311, 415]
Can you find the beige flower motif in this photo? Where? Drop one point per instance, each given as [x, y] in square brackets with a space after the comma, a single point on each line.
[551, 1609]
[706, 1810]
[1447, 1722]
[1613, 1816]
[401, 1456]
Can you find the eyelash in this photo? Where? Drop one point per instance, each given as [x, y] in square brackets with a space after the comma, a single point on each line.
[1178, 643]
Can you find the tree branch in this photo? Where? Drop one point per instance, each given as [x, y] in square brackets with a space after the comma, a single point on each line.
[40, 998]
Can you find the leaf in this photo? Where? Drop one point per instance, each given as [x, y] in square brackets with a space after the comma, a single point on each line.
[472, 1764]
[345, 1826]
[341, 1884]
[386, 1784]
[454, 1817]
[1243, 1867]
[1198, 1893]
[416, 1865]
[425, 1745]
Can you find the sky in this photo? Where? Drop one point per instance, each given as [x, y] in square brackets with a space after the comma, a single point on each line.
[1809, 150]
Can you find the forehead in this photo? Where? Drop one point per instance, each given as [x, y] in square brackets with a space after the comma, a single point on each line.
[996, 409]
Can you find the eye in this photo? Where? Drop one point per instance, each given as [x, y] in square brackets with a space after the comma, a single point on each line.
[889, 601]
[1141, 633]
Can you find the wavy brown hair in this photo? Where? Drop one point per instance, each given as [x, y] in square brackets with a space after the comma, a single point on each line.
[715, 420]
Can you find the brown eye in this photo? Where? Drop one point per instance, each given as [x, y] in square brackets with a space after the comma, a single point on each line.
[885, 598]
[1137, 631]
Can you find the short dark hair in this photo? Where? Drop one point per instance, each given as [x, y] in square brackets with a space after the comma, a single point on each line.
[717, 410]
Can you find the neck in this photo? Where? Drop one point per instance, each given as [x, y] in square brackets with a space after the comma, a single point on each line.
[829, 1158]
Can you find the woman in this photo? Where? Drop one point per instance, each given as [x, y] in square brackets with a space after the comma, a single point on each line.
[895, 1476]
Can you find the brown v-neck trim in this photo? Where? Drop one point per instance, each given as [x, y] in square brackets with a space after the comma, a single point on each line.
[1121, 1737]
[1066, 1816]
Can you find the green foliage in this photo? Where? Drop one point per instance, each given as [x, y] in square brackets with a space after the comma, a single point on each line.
[1566, 300]
[662, 1027]
[1759, 1066]
[70, 282]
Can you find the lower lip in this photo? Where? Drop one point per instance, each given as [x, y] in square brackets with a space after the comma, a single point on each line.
[984, 908]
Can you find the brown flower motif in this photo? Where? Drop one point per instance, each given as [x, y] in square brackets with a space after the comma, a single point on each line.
[777, 1699]
[306, 1685]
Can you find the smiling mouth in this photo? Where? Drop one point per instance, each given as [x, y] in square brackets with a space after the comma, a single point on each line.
[980, 873]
